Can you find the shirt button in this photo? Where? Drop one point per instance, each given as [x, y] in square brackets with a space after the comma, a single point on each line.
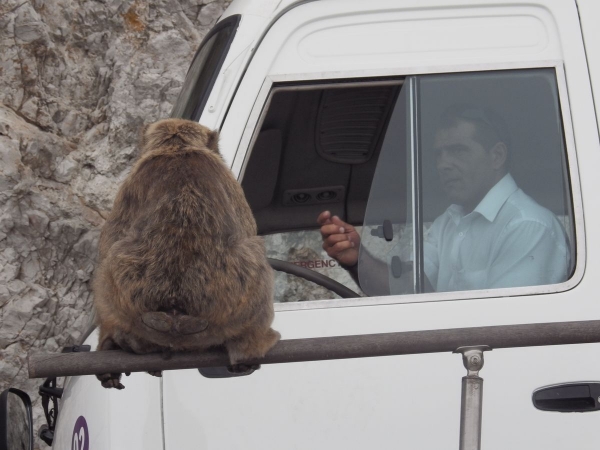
[461, 234]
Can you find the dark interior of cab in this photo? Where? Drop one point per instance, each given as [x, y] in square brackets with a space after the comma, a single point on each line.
[316, 150]
[318, 147]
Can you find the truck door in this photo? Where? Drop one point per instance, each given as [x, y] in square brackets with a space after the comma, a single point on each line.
[456, 142]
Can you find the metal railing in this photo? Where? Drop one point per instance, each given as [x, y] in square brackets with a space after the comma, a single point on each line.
[325, 348]
[470, 342]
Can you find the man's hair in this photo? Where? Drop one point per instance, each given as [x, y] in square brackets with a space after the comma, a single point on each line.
[490, 127]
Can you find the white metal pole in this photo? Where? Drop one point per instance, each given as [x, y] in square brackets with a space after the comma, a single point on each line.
[471, 398]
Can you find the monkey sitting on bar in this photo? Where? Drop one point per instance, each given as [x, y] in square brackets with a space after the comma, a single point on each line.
[181, 267]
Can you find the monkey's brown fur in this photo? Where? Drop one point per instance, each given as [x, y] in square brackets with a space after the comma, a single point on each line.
[181, 267]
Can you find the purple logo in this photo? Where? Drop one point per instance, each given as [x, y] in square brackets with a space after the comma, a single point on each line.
[81, 438]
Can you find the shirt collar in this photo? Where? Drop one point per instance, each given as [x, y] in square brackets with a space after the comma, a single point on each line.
[490, 205]
[496, 196]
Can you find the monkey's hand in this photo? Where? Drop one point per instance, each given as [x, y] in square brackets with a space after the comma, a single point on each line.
[111, 380]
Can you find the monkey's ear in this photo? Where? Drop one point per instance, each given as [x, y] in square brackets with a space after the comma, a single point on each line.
[212, 141]
[142, 135]
[142, 141]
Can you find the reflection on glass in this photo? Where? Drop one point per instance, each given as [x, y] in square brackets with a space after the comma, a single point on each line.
[494, 147]
[496, 202]
[390, 202]
[303, 248]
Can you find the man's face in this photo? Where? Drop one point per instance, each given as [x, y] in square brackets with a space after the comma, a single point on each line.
[465, 167]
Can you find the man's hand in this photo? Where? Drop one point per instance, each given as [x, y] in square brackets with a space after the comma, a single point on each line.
[340, 239]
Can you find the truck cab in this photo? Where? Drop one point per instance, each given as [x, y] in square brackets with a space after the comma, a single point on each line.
[337, 106]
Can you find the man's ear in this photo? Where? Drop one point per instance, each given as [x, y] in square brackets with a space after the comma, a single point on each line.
[212, 141]
[499, 154]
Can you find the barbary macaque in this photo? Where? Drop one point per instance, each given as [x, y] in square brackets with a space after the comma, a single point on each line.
[181, 267]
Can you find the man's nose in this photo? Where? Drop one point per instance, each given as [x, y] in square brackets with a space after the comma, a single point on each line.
[443, 160]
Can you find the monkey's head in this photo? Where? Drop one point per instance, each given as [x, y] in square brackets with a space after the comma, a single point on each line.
[175, 134]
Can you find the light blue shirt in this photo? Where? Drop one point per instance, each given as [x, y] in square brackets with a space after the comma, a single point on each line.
[508, 240]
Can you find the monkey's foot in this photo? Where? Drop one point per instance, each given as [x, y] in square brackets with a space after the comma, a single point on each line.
[251, 345]
[159, 321]
[156, 373]
[243, 369]
[190, 324]
[111, 380]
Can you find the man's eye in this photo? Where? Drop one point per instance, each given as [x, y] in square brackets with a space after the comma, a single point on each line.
[450, 152]
[457, 151]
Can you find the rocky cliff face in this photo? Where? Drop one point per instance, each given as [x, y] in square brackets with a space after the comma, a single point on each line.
[77, 79]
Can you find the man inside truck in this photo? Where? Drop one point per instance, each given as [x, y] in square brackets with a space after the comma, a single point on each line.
[493, 235]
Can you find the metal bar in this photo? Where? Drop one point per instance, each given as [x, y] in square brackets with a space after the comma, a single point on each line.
[417, 191]
[326, 348]
[471, 404]
[470, 413]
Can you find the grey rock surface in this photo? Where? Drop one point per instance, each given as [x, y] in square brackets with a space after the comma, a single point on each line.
[77, 80]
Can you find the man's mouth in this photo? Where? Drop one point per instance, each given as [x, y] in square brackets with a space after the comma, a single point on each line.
[450, 182]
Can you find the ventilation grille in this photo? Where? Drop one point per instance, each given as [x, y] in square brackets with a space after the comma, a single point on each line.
[350, 122]
[312, 196]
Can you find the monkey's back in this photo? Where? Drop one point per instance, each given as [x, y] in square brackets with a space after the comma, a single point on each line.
[181, 239]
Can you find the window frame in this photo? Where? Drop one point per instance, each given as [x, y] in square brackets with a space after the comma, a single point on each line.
[231, 21]
[261, 106]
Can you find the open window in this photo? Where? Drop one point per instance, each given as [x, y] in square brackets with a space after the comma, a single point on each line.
[455, 182]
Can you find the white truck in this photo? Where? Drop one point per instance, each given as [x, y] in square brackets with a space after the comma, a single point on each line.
[334, 105]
